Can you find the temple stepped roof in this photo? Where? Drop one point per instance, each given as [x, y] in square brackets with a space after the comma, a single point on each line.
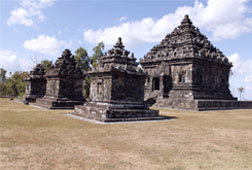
[185, 41]
[38, 72]
[65, 66]
[117, 59]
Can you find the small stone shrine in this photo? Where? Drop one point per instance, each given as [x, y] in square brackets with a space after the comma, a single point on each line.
[186, 71]
[64, 84]
[35, 84]
[117, 89]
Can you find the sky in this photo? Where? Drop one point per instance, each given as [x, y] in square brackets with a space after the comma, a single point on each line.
[34, 30]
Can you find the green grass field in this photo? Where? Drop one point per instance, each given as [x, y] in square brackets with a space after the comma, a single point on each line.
[33, 138]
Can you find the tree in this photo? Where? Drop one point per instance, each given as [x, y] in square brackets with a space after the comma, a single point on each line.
[3, 74]
[84, 62]
[86, 87]
[3, 82]
[46, 64]
[16, 83]
[241, 90]
[82, 59]
[98, 53]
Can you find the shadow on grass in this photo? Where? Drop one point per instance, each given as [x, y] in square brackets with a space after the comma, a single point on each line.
[169, 117]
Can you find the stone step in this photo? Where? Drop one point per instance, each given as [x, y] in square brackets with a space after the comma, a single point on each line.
[130, 113]
[135, 119]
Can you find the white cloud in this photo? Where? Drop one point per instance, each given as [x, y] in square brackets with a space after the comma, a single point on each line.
[9, 61]
[30, 11]
[224, 19]
[242, 74]
[20, 16]
[46, 45]
[248, 78]
[240, 66]
[123, 18]
[235, 60]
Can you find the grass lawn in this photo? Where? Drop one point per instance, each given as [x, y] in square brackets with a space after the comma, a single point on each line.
[33, 138]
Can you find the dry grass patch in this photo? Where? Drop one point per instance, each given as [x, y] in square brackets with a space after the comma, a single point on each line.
[33, 138]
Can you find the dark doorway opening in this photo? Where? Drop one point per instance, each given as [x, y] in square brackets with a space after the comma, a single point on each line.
[167, 82]
[155, 83]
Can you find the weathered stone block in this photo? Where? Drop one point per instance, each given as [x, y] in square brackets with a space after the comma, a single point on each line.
[64, 84]
[117, 89]
[107, 112]
[185, 68]
[35, 84]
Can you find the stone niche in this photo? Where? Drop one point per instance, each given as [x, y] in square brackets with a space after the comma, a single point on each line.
[35, 84]
[64, 84]
[186, 71]
[117, 89]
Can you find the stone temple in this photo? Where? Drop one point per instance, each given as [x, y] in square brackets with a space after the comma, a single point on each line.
[117, 89]
[186, 71]
[63, 84]
[35, 84]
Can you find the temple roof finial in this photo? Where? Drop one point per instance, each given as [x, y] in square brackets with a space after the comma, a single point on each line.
[132, 55]
[66, 54]
[119, 40]
[119, 43]
[186, 20]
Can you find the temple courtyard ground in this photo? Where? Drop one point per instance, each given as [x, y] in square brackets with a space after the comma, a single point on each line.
[34, 138]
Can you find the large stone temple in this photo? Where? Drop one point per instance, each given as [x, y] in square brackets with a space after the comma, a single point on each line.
[63, 84]
[186, 71]
[35, 84]
[117, 89]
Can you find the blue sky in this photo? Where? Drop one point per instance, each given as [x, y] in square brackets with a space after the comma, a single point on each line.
[33, 30]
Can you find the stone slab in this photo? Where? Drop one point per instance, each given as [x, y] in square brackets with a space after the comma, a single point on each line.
[203, 105]
[57, 104]
[111, 113]
[117, 122]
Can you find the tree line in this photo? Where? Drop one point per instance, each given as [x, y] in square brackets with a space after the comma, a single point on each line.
[15, 84]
